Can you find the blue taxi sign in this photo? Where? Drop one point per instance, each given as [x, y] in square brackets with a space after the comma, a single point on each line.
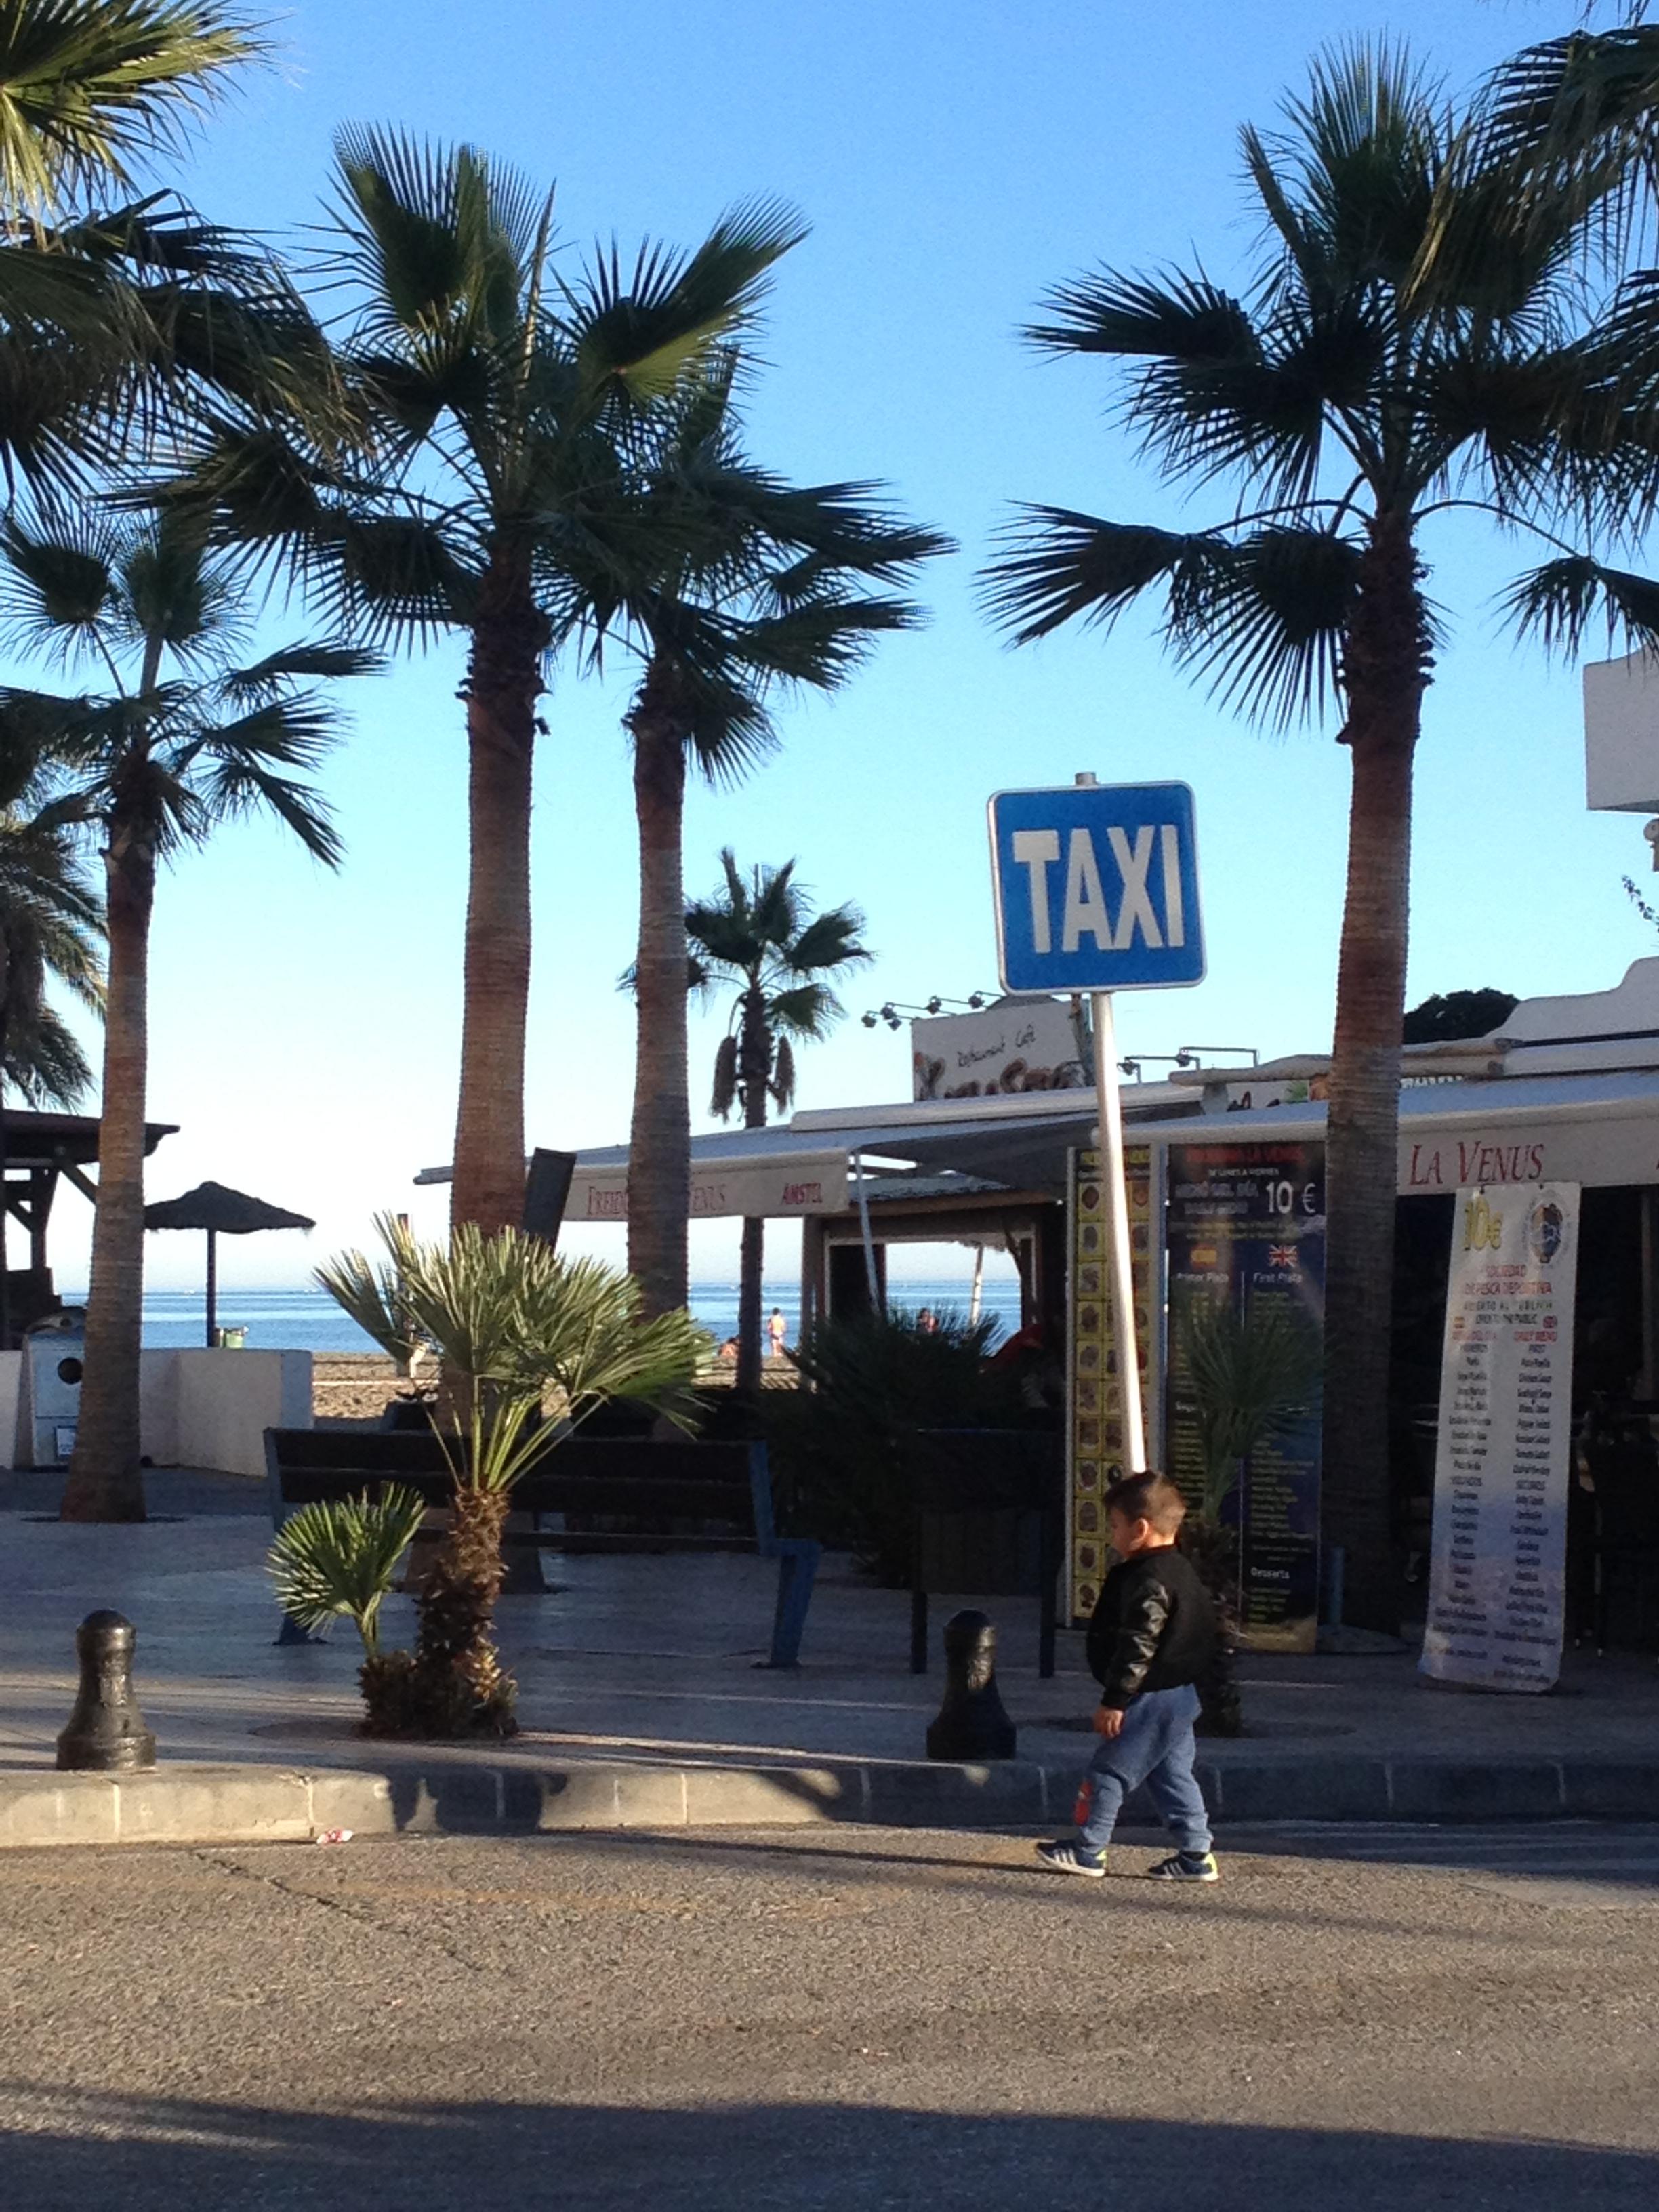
[1097, 888]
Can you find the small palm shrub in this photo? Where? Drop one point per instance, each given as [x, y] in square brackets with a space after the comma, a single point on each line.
[843, 1447]
[340, 1555]
[529, 1344]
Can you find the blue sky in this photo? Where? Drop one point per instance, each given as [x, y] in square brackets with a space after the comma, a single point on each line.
[954, 161]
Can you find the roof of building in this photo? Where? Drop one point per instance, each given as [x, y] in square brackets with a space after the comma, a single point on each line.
[56, 1140]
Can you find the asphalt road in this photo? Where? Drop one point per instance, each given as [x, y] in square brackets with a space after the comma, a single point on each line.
[834, 2019]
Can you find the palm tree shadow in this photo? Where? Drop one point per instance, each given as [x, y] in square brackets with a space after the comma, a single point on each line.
[147, 2153]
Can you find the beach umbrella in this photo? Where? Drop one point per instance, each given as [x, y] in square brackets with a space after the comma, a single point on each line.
[222, 1213]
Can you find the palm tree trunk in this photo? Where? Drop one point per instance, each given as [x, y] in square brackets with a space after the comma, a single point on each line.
[659, 1140]
[459, 1687]
[5, 1155]
[504, 681]
[1386, 668]
[754, 1071]
[106, 1481]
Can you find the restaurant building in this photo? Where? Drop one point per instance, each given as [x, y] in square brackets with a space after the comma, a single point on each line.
[1567, 1090]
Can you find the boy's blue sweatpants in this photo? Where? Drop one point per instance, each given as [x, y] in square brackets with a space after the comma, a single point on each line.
[1158, 1748]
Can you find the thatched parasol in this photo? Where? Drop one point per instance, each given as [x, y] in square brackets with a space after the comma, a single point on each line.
[222, 1213]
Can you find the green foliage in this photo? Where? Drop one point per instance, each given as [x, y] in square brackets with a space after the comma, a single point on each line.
[521, 1334]
[1252, 1376]
[841, 1446]
[473, 359]
[1450, 1016]
[1419, 334]
[730, 584]
[341, 1555]
[51, 933]
[169, 752]
[86, 86]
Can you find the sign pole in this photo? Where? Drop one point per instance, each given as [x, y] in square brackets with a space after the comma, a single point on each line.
[1120, 1260]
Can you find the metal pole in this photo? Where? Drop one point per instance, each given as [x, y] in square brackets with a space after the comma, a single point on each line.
[212, 1289]
[1120, 1262]
[877, 1305]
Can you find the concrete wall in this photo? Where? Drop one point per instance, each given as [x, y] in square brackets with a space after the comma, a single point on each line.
[203, 1409]
[158, 1407]
[227, 1399]
[11, 1383]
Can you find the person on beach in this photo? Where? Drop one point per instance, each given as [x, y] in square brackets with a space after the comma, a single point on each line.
[1151, 1637]
[776, 1329]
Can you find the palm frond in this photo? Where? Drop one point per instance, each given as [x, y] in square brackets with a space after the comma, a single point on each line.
[341, 1555]
[1178, 318]
[241, 768]
[291, 664]
[644, 329]
[724, 1094]
[518, 1328]
[58, 583]
[1562, 601]
[87, 91]
[808, 1011]
[781, 1085]
[1252, 1377]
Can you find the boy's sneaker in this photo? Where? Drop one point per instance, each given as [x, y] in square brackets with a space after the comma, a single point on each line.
[1187, 1866]
[1071, 1858]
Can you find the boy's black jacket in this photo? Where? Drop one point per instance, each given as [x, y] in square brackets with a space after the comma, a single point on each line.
[1152, 1629]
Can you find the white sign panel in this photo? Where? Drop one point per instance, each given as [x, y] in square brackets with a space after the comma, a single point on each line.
[818, 1184]
[1019, 1045]
[1497, 1581]
[1590, 1149]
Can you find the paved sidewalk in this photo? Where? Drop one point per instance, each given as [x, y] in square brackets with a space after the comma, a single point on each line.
[646, 1668]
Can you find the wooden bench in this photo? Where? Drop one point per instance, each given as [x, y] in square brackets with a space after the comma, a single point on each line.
[673, 1497]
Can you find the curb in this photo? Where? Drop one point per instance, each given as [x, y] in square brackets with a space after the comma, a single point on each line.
[198, 1804]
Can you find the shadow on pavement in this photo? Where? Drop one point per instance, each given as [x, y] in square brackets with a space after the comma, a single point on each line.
[142, 2153]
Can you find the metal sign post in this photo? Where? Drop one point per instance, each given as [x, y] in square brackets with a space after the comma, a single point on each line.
[1096, 890]
[1121, 1263]
[1120, 1260]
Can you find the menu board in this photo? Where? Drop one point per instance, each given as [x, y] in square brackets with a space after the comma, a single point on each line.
[1498, 1574]
[1096, 1395]
[1246, 1228]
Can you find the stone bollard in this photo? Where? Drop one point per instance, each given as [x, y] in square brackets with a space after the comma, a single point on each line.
[106, 1733]
[972, 1723]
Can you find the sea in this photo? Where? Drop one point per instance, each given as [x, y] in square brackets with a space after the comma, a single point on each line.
[306, 1319]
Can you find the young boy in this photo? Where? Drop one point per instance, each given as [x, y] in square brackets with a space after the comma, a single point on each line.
[1151, 1638]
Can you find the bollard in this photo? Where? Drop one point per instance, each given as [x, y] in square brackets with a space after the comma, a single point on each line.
[972, 1723]
[106, 1733]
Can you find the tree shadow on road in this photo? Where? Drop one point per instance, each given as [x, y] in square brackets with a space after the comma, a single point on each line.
[71, 2153]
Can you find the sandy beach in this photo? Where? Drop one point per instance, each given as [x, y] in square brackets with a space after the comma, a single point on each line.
[358, 1385]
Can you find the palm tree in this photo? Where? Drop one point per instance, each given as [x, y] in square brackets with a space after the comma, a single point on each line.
[1379, 372]
[184, 740]
[760, 936]
[529, 1345]
[496, 398]
[730, 585]
[51, 931]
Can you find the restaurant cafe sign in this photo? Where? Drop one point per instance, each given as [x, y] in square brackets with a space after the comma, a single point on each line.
[769, 1190]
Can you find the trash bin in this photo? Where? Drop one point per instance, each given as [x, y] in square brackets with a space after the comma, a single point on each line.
[55, 1350]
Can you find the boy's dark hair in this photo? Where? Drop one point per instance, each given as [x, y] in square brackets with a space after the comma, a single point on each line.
[1151, 1498]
